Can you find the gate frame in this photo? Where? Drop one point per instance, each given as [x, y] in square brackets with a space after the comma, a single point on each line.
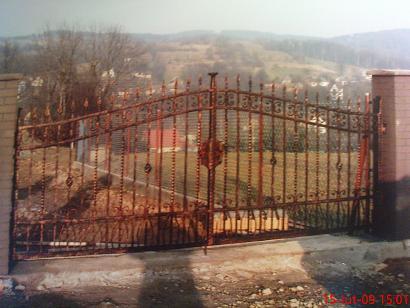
[212, 141]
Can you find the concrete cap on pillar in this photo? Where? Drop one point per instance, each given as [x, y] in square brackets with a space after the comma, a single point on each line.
[389, 72]
[10, 77]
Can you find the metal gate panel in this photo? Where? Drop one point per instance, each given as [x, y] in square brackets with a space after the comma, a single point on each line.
[191, 166]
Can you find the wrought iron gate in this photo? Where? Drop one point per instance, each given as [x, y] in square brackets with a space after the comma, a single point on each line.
[200, 166]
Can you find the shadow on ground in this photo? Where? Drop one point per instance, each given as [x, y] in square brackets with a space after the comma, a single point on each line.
[162, 287]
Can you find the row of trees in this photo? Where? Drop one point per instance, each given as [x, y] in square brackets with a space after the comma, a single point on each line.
[332, 51]
[69, 65]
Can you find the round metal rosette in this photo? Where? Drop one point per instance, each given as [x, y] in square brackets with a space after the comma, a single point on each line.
[211, 153]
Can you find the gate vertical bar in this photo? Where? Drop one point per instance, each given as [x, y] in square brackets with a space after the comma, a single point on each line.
[211, 158]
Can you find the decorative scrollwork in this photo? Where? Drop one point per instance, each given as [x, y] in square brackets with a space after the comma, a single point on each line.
[299, 111]
[244, 101]
[128, 114]
[338, 119]
[205, 99]
[333, 193]
[147, 168]
[291, 110]
[180, 104]
[277, 106]
[69, 181]
[355, 121]
[317, 115]
[267, 105]
[231, 99]
[273, 161]
[268, 201]
[312, 195]
[94, 128]
[254, 102]
[221, 99]
[143, 112]
[194, 101]
[167, 106]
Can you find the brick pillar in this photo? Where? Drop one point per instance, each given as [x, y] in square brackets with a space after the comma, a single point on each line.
[8, 119]
[392, 202]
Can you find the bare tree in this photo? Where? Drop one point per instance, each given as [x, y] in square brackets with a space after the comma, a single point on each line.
[58, 53]
[109, 54]
[74, 64]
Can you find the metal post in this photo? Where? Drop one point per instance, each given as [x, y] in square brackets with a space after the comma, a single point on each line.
[211, 157]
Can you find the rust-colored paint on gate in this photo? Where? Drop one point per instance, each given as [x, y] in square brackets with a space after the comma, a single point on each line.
[191, 166]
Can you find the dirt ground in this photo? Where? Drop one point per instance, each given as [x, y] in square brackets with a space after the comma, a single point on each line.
[204, 287]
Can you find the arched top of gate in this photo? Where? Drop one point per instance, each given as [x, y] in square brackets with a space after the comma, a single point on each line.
[180, 97]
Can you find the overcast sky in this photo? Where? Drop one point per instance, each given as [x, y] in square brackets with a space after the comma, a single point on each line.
[304, 17]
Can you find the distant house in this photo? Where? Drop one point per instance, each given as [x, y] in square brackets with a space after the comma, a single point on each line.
[167, 140]
[287, 80]
[133, 81]
[149, 92]
[341, 80]
[110, 73]
[37, 82]
[171, 83]
[142, 75]
[336, 92]
[154, 142]
[299, 85]
[22, 86]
